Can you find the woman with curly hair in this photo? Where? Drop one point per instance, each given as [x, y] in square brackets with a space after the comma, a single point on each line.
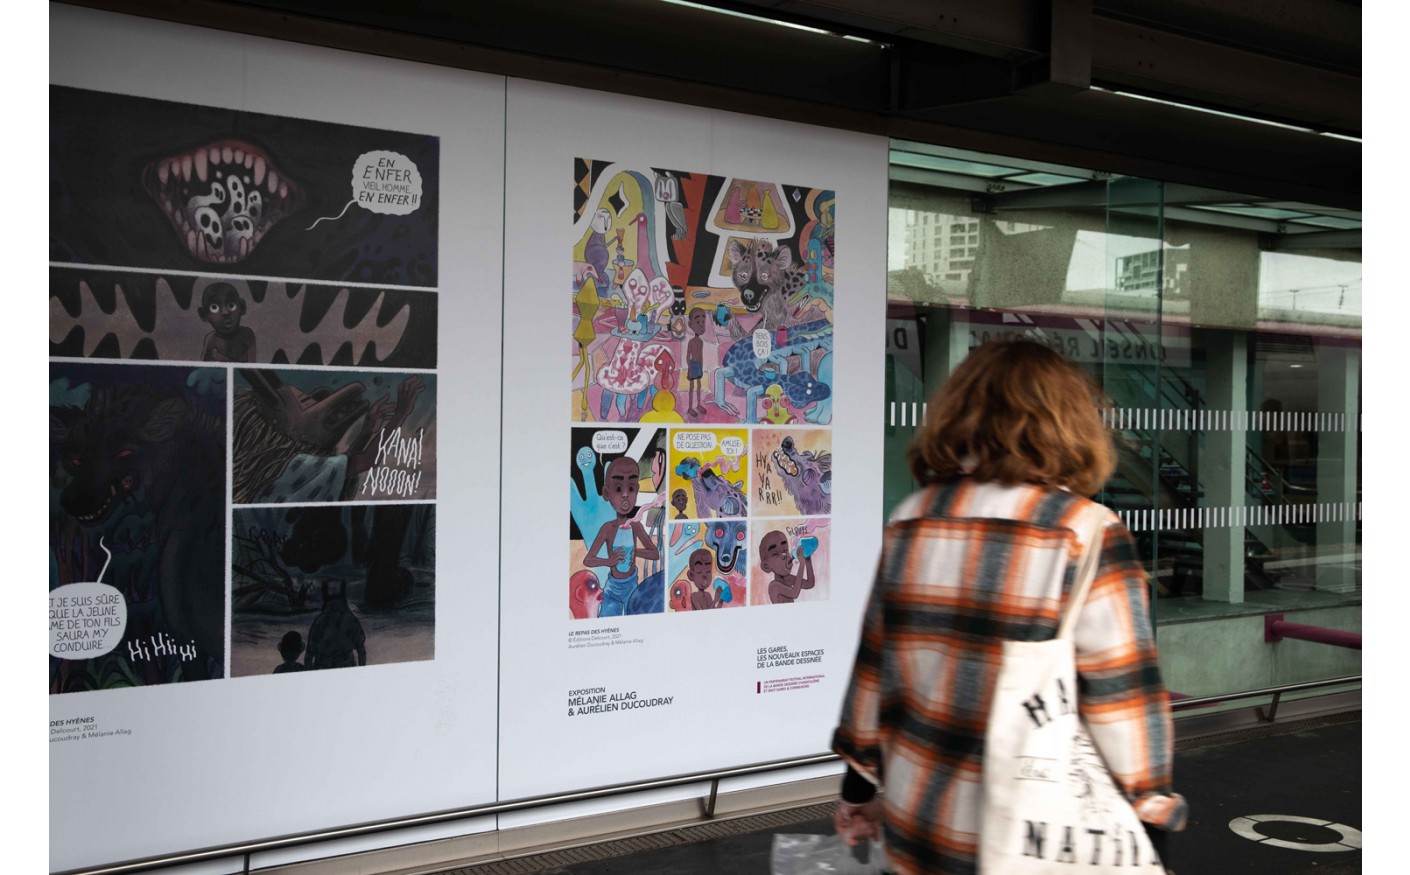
[1012, 446]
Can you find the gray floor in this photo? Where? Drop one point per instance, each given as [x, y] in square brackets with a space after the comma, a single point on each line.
[1308, 769]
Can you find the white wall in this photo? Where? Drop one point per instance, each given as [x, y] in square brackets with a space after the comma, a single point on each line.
[248, 758]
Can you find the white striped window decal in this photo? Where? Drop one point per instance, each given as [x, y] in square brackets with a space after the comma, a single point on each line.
[1242, 516]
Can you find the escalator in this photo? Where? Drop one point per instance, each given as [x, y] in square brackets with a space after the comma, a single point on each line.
[1161, 421]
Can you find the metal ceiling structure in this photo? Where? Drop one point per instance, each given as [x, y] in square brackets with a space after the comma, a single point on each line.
[1163, 90]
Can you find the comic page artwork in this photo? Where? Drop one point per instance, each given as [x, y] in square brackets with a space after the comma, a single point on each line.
[790, 561]
[155, 185]
[708, 565]
[296, 261]
[700, 299]
[332, 586]
[703, 306]
[709, 473]
[303, 436]
[617, 522]
[231, 319]
[792, 472]
[136, 525]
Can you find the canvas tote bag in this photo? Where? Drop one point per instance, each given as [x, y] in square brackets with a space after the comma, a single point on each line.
[1050, 803]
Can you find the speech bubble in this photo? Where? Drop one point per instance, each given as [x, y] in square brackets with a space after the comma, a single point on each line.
[732, 446]
[763, 343]
[382, 182]
[694, 441]
[610, 441]
[86, 619]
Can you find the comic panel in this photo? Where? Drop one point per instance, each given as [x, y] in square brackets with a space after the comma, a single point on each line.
[195, 318]
[136, 525]
[707, 565]
[327, 436]
[332, 586]
[709, 473]
[617, 522]
[792, 472]
[790, 561]
[156, 185]
[700, 299]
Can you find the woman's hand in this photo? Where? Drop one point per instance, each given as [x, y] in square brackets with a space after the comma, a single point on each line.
[858, 822]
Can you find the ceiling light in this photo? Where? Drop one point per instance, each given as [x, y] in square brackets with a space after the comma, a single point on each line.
[1245, 118]
[760, 18]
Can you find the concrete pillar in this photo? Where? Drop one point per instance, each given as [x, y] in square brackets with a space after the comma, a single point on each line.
[1222, 464]
[1338, 406]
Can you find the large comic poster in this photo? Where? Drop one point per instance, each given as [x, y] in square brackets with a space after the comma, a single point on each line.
[243, 340]
[703, 357]
[678, 283]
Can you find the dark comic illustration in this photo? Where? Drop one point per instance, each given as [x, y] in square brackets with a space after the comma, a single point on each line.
[137, 502]
[328, 436]
[319, 587]
[225, 319]
[156, 185]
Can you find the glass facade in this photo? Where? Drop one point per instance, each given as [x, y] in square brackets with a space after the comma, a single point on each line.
[1225, 331]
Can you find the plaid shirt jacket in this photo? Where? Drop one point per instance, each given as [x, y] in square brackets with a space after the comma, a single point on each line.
[965, 565]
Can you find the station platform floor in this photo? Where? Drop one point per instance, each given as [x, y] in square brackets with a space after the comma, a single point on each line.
[1282, 799]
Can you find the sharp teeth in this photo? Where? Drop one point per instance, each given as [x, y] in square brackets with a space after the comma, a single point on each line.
[215, 155]
[239, 156]
[259, 170]
[163, 171]
[249, 160]
[227, 155]
[273, 181]
[201, 166]
[191, 243]
[186, 167]
[283, 190]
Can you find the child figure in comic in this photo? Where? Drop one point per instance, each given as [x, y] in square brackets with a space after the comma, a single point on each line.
[695, 359]
[624, 537]
[775, 558]
[702, 562]
[291, 647]
[223, 308]
[680, 502]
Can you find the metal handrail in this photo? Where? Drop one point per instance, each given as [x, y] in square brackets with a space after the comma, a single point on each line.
[246, 849]
[1275, 629]
[1186, 702]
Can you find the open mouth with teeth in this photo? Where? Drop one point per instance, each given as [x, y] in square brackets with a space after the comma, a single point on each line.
[117, 491]
[784, 464]
[222, 198]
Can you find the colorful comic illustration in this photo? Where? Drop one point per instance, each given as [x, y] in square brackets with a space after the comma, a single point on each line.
[707, 565]
[230, 319]
[136, 525]
[700, 299]
[617, 522]
[790, 561]
[325, 436]
[161, 186]
[332, 586]
[709, 476]
[792, 472]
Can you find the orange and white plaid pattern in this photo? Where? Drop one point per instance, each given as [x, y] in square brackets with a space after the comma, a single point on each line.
[965, 566]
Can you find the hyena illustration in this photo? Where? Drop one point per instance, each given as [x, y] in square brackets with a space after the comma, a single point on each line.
[717, 497]
[807, 477]
[131, 444]
[766, 278]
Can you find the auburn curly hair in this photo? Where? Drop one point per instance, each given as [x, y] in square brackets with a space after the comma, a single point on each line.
[1014, 412]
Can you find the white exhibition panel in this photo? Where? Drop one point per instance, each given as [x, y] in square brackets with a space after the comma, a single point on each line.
[242, 758]
[712, 697]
